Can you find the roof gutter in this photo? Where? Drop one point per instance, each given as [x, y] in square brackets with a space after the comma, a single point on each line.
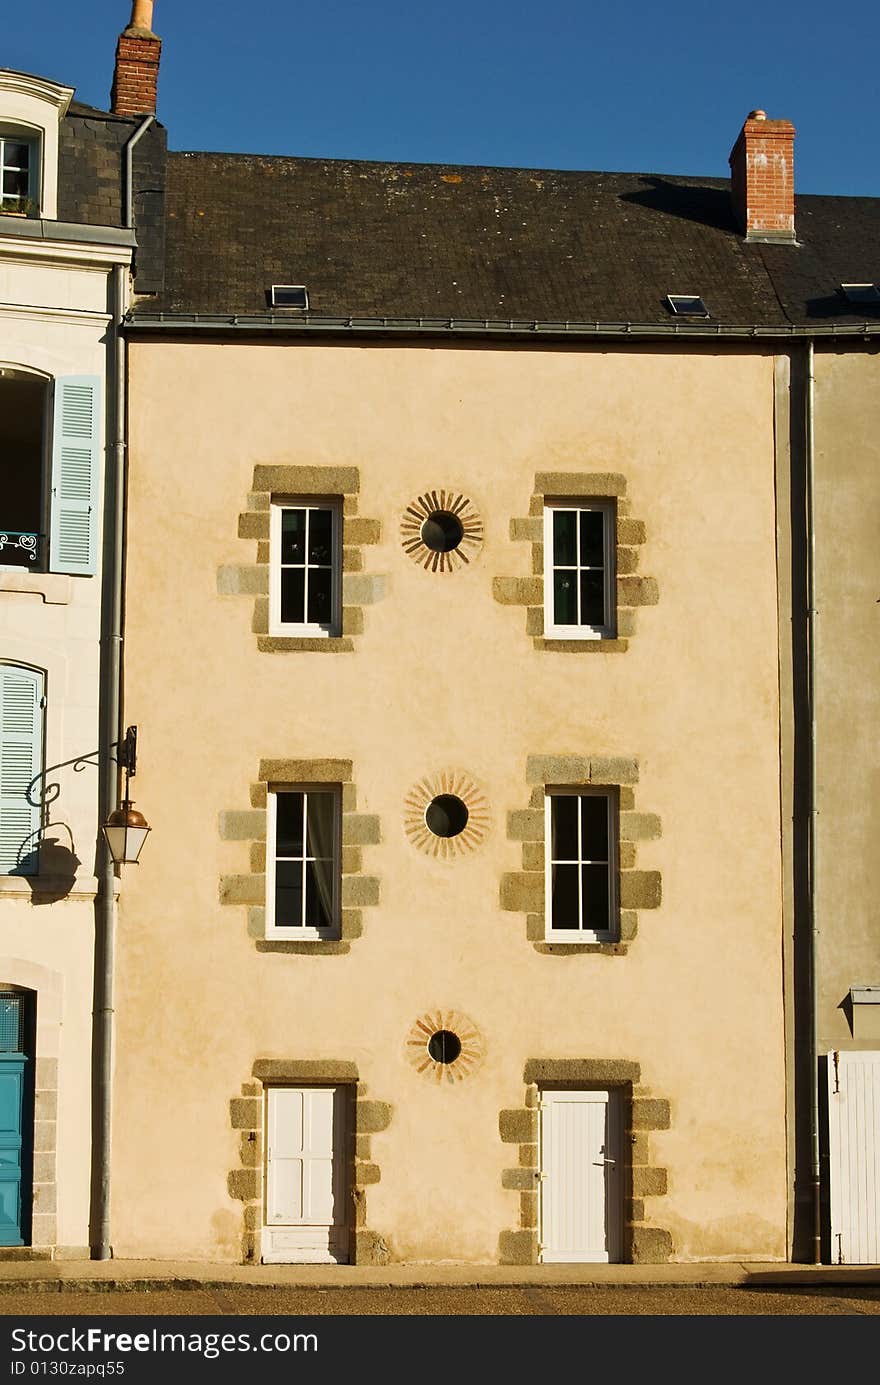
[313, 324]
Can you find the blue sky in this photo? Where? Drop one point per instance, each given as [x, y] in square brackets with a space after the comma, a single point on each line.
[644, 86]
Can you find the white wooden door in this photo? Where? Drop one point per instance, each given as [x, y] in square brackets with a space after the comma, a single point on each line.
[854, 1150]
[581, 1210]
[305, 1175]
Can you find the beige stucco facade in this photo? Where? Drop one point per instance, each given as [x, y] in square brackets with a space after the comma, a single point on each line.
[444, 676]
[847, 522]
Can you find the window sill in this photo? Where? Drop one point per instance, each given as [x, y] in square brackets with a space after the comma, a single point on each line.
[329, 644]
[53, 587]
[577, 633]
[300, 934]
[582, 646]
[567, 949]
[304, 632]
[61, 886]
[329, 947]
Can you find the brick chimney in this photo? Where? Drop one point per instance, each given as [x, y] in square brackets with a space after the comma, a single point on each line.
[762, 178]
[136, 74]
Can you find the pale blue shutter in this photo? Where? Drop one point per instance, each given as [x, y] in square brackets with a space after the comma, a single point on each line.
[21, 760]
[73, 525]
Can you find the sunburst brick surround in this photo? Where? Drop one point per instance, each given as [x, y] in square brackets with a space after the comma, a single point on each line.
[447, 502]
[458, 784]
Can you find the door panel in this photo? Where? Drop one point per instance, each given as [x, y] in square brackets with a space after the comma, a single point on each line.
[284, 1201]
[580, 1176]
[11, 1111]
[305, 1174]
[854, 1156]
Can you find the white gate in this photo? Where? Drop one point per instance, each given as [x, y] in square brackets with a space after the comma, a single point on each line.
[581, 1210]
[305, 1175]
[854, 1150]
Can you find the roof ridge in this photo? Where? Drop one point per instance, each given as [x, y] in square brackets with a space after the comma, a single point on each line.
[697, 179]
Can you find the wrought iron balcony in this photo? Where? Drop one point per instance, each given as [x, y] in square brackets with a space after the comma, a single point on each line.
[20, 546]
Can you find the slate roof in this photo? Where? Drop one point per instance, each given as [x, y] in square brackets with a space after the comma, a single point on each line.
[91, 181]
[424, 240]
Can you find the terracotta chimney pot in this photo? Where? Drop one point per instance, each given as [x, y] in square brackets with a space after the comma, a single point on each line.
[142, 16]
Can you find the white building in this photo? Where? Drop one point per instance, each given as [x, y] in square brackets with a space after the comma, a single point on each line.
[65, 257]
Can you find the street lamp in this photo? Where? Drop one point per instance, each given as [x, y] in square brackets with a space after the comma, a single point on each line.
[126, 829]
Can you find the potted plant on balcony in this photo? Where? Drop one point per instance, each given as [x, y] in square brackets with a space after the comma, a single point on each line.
[26, 207]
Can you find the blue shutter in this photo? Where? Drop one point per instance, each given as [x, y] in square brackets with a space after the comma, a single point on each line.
[21, 759]
[76, 434]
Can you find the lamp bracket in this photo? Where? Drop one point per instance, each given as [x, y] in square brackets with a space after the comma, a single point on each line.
[127, 756]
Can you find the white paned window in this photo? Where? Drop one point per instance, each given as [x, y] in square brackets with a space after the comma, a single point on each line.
[579, 579]
[19, 168]
[21, 760]
[306, 562]
[303, 862]
[581, 837]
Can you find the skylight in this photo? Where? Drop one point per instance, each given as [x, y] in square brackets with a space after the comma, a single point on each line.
[860, 293]
[687, 305]
[288, 296]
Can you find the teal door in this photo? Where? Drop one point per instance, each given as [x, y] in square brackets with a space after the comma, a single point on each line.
[14, 1118]
[12, 1076]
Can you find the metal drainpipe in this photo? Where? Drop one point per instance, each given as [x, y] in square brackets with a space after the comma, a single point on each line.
[111, 701]
[128, 153]
[815, 1168]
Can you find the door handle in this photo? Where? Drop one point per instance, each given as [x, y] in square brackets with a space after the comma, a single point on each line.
[598, 1162]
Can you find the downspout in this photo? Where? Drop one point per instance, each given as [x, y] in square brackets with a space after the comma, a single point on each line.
[815, 1169]
[111, 732]
[128, 155]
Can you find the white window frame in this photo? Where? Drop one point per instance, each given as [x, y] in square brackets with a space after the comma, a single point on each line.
[304, 628]
[291, 307]
[32, 107]
[583, 935]
[22, 134]
[291, 932]
[608, 510]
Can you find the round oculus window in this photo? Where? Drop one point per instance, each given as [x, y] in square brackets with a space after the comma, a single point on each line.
[442, 531]
[446, 815]
[444, 1046]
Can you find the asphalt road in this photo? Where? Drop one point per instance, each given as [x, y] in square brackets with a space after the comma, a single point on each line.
[822, 1301]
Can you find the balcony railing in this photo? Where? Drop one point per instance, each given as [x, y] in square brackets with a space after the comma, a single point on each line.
[20, 546]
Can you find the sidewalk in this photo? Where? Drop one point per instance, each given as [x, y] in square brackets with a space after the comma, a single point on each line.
[144, 1276]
